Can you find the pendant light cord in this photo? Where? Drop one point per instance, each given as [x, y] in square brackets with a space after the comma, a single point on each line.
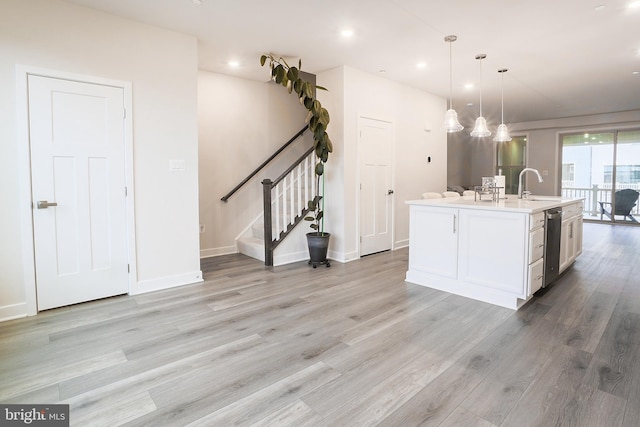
[480, 87]
[450, 76]
[502, 96]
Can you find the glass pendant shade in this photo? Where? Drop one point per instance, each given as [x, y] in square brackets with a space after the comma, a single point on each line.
[480, 129]
[502, 134]
[451, 123]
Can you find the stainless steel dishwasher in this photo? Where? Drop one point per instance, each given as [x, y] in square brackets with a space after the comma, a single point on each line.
[553, 224]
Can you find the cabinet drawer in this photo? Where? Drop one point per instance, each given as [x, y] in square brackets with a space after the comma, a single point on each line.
[572, 210]
[536, 274]
[536, 245]
[537, 221]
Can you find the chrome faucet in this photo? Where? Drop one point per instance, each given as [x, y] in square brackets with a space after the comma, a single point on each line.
[520, 179]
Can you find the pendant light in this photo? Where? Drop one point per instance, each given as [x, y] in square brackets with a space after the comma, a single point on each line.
[502, 134]
[451, 123]
[480, 129]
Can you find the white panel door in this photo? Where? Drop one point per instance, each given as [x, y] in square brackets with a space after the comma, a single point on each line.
[78, 188]
[376, 191]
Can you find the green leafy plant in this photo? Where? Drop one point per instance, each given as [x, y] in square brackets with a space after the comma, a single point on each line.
[317, 120]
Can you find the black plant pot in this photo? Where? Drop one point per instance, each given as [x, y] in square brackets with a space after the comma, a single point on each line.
[318, 245]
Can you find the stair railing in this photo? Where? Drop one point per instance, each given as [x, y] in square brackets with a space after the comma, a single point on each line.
[265, 163]
[285, 201]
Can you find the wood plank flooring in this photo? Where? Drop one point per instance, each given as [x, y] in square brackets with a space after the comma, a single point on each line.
[350, 345]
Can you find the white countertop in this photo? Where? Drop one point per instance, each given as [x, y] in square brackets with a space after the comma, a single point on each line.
[532, 204]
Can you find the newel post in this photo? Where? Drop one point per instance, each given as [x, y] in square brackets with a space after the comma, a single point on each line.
[268, 237]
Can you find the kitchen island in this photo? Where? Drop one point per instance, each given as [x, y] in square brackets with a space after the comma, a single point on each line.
[491, 251]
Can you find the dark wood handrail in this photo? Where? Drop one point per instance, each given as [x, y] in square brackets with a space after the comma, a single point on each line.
[259, 168]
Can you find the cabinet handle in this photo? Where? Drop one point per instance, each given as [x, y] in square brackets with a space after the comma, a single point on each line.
[454, 223]
[541, 246]
[571, 230]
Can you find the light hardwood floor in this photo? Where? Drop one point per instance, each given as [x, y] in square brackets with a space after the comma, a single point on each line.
[350, 345]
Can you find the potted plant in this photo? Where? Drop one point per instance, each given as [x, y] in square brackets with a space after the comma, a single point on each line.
[318, 120]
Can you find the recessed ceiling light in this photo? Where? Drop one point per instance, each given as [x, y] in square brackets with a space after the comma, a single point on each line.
[468, 86]
[421, 65]
[634, 5]
[346, 33]
[635, 73]
[197, 2]
[233, 64]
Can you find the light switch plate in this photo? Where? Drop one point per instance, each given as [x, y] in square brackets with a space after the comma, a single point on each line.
[176, 165]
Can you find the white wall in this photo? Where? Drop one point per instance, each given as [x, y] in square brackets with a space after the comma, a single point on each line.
[242, 122]
[162, 67]
[352, 94]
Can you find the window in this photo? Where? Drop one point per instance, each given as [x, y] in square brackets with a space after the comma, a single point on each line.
[625, 174]
[568, 172]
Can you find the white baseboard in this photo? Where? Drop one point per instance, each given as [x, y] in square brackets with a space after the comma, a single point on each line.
[13, 311]
[225, 250]
[290, 258]
[343, 257]
[401, 244]
[145, 286]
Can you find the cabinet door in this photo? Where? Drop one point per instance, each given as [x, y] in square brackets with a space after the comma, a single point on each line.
[565, 242]
[434, 240]
[577, 237]
[494, 250]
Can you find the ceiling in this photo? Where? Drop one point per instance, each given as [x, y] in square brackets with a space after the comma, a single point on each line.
[564, 57]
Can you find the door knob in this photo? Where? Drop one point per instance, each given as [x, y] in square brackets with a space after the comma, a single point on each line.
[43, 204]
[389, 191]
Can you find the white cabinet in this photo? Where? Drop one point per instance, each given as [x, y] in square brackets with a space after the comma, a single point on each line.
[493, 250]
[491, 256]
[570, 235]
[536, 253]
[434, 246]
[488, 251]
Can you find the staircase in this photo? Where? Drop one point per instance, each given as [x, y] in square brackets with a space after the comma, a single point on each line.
[287, 199]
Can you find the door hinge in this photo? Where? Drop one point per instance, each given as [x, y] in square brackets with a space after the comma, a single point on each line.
[126, 191]
[128, 268]
[124, 113]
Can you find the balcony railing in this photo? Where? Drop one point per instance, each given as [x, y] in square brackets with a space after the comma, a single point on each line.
[597, 194]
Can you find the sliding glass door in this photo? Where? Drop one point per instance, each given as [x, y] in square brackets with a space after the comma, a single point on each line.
[604, 168]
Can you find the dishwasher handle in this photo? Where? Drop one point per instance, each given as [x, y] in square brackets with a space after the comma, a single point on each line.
[554, 214]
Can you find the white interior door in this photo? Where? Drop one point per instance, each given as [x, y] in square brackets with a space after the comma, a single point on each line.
[376, 190]
[78, 189]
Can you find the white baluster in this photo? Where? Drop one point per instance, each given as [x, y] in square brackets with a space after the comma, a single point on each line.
[299, 186]
[284, 203]
[277, 212]
[306, 180]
